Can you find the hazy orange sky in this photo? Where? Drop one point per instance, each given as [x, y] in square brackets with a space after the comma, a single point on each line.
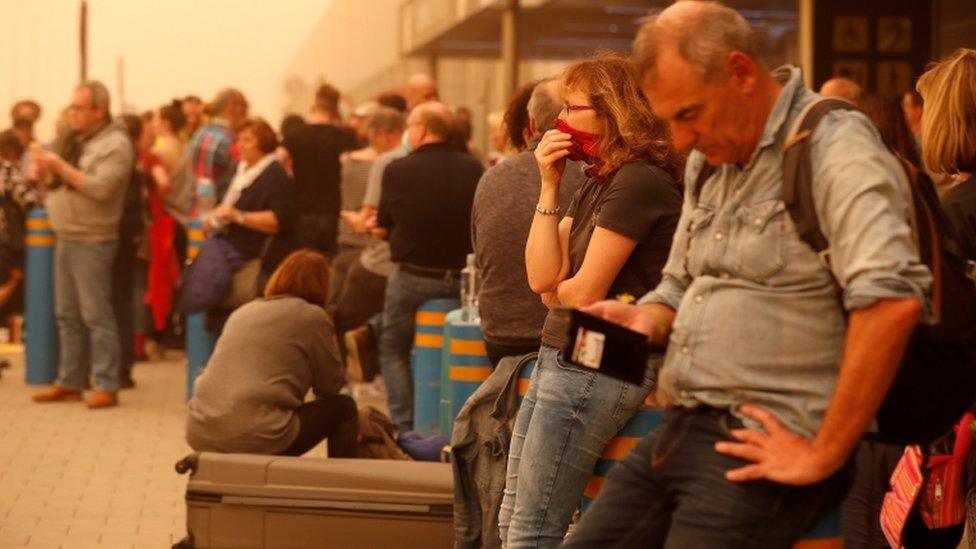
[170, 48]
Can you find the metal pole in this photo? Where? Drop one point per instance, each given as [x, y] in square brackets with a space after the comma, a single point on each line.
[806, 39]
[83, 40]
[510, 49]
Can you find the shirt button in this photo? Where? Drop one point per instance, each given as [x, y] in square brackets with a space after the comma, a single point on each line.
[718, 236]
[699, 298]
[759, 221]
[726, 276]
[683, 394]
[685, 350]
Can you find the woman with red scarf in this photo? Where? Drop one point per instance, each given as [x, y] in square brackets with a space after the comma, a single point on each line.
[611, 243]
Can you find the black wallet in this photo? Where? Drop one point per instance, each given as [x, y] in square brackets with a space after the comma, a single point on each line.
[610, 349]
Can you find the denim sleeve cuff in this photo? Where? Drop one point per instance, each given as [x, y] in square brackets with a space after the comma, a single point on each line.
[669, 292]
[864, 293]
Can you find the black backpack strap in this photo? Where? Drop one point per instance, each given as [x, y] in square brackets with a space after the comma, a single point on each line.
[798, 173]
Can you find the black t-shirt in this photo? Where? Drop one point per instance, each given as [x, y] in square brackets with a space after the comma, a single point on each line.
[959, 204]
[315, 151]
[426, 206]
[641, 202]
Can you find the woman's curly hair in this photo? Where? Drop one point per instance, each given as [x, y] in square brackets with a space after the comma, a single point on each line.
[631, 131]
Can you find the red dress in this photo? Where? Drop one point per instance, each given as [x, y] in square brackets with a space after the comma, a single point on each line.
[164, 268]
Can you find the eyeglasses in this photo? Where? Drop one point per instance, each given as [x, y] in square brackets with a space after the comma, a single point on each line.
[567, 108]
[76, 107]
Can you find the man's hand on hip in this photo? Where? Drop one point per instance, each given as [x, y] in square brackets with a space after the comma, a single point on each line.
[776, 454]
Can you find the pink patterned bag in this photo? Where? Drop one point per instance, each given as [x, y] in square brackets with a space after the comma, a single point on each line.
[939, 492]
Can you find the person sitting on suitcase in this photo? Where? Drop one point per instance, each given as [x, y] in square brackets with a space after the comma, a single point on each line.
[249, 399]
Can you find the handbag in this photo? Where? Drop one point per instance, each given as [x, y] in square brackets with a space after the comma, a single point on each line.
[934, 484]
[246, 283]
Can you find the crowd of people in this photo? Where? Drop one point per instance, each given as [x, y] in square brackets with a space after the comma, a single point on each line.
[646, 189]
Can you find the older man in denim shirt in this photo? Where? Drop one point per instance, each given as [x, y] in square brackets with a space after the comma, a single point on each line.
[776, 363]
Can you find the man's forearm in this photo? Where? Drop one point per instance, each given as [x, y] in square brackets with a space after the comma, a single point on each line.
[71, 175]
[875, 343]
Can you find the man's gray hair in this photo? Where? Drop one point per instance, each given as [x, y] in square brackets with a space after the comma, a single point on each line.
[543, 107]
[704, 32]
[385, 120]
[100, 96]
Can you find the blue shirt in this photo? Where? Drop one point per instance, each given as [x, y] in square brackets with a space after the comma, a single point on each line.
[760, 319]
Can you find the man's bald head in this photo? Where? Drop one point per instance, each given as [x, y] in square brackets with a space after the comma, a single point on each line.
[842, 87]
[703, 33]
[420, 88]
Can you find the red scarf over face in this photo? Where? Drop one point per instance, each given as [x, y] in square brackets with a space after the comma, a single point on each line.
[584, 146]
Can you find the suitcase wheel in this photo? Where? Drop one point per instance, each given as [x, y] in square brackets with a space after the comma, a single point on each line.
[189, 463]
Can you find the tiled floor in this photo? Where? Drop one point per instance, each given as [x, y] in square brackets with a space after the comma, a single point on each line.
[71, 477]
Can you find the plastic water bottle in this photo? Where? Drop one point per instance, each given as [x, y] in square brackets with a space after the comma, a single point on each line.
[469, 290]
[206, 197]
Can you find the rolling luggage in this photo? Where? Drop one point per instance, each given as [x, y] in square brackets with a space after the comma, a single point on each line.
[255, 501]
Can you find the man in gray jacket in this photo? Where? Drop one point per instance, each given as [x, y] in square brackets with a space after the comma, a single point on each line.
[87, 182]
[504, 204]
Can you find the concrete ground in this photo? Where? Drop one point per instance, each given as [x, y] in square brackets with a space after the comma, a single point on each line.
[73, 477]
[77, 478]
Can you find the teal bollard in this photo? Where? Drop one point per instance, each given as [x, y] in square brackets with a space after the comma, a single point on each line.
[41, 330]
[199, 341]
[469, 362]
[446, 418]
[426, 364]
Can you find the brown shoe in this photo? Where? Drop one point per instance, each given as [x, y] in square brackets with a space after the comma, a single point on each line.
[57, 393]
[102, 399]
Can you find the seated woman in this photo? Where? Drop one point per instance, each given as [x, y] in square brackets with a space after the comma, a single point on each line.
[250, 222]
[250, 396]
[612, 243]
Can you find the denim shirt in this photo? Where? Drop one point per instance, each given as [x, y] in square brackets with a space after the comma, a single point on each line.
[760, 319]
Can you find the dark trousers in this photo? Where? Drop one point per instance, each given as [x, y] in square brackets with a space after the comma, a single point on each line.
[334, 417]
[318, 232]
[359, 299]
[875, 463]
[497, 351]
[670, 491]
[122, 297]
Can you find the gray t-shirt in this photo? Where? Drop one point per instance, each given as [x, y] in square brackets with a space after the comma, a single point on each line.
[355, 173]
[504, 205]
[269, 355]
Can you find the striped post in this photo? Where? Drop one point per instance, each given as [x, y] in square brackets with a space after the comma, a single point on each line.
[426, 363]
[642, 423]
[199, 341]
[469, 363]
[41, 329]
[446, 417]
[826, 535]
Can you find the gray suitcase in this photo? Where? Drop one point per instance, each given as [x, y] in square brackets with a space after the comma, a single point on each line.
[254, 501]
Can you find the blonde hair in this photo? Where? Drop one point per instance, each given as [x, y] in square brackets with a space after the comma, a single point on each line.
[949, 118]
[631, 131]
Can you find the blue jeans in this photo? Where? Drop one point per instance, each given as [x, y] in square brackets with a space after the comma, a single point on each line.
[405, 293]
[671, 492]
[564, 423]
[86, 322]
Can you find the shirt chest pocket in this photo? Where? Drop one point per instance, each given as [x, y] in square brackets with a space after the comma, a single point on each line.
[701, 219]
[760, 245]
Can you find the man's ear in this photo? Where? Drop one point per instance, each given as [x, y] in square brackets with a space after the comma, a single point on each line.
[742, 71]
